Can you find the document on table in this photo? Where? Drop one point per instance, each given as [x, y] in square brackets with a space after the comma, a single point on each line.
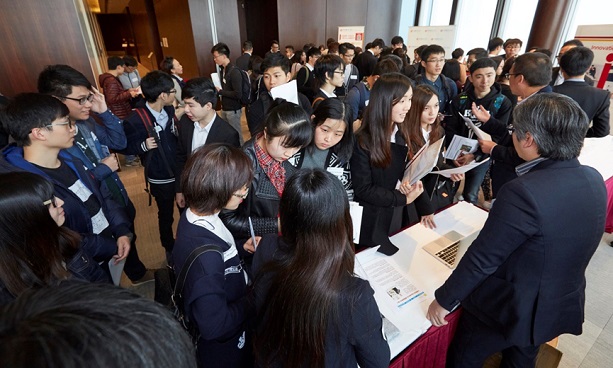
[423, 162]
[287, 91]
[478, 132]
[459, 145]
[461, 169]
[216, 80]
[396, 294]
[355, 211]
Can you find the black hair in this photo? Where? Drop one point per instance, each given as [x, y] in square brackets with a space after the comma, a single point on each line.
[574, 42]
[130, 61]
[27, 111]
[451, 69]
[457, 53]
[494, 43]
[114, 61]
[483, 63]
[167, 65]
[221, 49]
[290, 47]
[479, 53]
[58, 80]
[576, 61]
[325, 68]
[512, 41]
[313, 51]
[430, 50]
[333, 47]
[385, 66]
[247, 45]
[202, 90]
[255, 64]
[543, 50]
[396, 40]
[285, 119]
[274, 60]
[274, 42]
[535, 67]
[334, 108]
[377, 42]
[78, 324]
[343, 47]
[395, 58]
[155, 83]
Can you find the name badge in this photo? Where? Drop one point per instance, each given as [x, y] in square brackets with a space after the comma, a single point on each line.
[336, 171]
[353, 76]
[366, 102]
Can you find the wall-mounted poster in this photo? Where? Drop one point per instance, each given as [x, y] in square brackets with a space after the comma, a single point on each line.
[599, 38]
[431, 35]
[351, 34]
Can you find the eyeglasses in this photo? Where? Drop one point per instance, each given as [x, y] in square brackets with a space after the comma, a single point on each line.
[436, 61]
[508, 75]
[511, 129]
[67, 122]
[51, 201]
[82, 100]
[241, 196]
[172, 91]
[341, 72]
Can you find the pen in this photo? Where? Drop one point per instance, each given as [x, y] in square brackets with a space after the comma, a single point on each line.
[255, 245]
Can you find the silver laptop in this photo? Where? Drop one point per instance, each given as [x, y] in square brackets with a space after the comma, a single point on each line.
[450, 247]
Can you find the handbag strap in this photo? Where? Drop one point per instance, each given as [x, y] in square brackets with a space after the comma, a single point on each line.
[188, 264]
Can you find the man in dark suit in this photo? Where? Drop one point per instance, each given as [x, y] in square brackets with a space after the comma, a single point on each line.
[522, 281]
[367, 60]
[556, 77]
[242, 62]
[595, 102]
[199, 126]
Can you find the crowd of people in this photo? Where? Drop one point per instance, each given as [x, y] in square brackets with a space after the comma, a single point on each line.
[279, 289]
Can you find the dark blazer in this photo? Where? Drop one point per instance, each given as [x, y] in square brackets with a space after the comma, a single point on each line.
[366, 62]
[595, 102]
[374, 189]
[221, 132]
[524, 275]
[242, 62]
[556, 71]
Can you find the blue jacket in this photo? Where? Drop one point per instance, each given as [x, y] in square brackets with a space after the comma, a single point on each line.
[112, 136]
[77, 216]
[136, 133]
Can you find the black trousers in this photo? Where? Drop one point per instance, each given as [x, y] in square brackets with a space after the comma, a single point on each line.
[134, 268]
[474, 342]
[164, 195]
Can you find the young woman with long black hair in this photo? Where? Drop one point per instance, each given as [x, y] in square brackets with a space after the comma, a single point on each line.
[378, 162]
[312, 310]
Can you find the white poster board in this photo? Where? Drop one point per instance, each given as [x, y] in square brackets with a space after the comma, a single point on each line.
[599, 38]
[439, 35]
[351, 34]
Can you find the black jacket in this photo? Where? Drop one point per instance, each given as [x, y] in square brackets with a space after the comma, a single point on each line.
[231, 88]
[257, 110]
[262, 203]
[594, 101]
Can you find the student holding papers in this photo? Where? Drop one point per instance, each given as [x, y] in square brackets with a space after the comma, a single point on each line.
[424, 126]
[378, 162]
[312, 310]
[485, 94]
[332, 143]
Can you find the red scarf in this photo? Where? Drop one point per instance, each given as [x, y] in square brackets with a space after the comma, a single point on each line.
[273, 168]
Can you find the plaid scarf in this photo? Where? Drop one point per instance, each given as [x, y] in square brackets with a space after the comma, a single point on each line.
[273, 168]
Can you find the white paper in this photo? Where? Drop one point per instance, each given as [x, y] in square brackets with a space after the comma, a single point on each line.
[461, 169]
[423, 162]
[355, 210]
[478, 132]
[116, 270]
[461, 144]
[287, 91]
[597, 153]
[216, 80]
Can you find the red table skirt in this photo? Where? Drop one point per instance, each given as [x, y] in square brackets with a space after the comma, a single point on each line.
[609, 223]
[430, 349]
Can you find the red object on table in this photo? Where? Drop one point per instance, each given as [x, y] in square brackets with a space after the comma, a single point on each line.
[609, 222]
[430, 349]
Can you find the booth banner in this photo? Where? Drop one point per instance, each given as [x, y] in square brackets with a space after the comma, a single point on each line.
[351, 34]
[431, 35]
[599, 38]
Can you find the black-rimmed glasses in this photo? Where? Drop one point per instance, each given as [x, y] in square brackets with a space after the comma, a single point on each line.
[82, 100]
[51, 201]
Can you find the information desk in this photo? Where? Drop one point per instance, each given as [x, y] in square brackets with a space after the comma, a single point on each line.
[404, 286]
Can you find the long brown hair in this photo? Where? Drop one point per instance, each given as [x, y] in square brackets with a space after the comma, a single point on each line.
[309, 274]
[377, 127]
[422, 94]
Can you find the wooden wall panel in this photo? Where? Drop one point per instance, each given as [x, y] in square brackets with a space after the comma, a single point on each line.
[382, 20]
[345, 13]
[35, 34]
[302, 21]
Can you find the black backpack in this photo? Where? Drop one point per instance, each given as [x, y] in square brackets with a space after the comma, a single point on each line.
[246, 91]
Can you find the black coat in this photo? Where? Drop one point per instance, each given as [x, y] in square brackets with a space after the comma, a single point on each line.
[595, 102]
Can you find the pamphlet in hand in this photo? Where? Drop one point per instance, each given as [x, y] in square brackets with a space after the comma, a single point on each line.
[461, 169]
[478, 132]
[216, 80]
[423, 162]
[459, 145]
[287, 91]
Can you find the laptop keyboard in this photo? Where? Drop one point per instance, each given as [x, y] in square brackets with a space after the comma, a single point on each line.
[449, 253]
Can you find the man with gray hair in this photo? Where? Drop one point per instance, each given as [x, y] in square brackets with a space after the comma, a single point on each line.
[522, 281]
